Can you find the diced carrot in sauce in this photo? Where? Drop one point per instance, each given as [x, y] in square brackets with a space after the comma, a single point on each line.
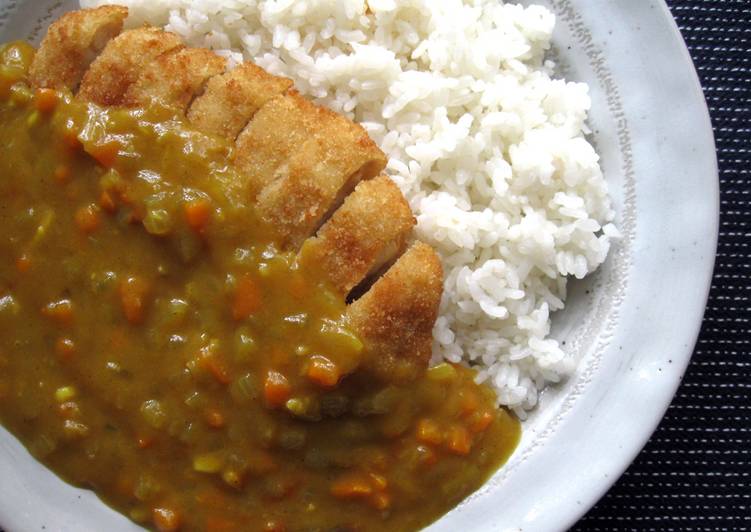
[23, 263]
[469, 403]
[247, 298]
[218, 370]
[105, 153]
[144, 442]
[87, 219]
[166, 519]
[481, 422]
[378, 481]
[133, 292]
[429, 432]
[380, 500]
[351, 486]
[458, 440]
[198, 214]
[62, 173]
[215, 419]
[212, 363]
[60, 311]
[45, 100]
[276, 389]
[65, 348]
[107, 202]
[71, 141]
[323, 371]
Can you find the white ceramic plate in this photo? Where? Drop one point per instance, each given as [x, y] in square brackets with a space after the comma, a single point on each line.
[634, 323]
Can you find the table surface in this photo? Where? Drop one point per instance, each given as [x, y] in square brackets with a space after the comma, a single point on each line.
[695, 472]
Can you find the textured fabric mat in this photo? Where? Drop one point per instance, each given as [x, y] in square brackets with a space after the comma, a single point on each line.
[695, 473]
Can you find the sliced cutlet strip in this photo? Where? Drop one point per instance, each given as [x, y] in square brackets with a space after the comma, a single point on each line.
[276, 131]
[395, 318]
[364, 234]
[71, 44]
[121, 62]
[317, 177]
[231, 100]
[175, 78]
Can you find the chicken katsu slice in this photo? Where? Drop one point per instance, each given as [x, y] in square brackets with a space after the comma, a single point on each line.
[71, 44]
[175, 78]
[364, 234]
[231, 100]
[274, 133]
[395, 318]
[317, 178]
[122, 61]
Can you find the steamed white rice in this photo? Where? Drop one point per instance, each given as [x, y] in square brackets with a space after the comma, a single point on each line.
[487, 146]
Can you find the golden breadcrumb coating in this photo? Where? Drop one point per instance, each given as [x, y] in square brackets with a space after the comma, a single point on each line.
[395, 318]
[366, 232]
[317, 177]
[277, 129]
[231, 100]
[122, 61]
[71, 44]
[175, 78]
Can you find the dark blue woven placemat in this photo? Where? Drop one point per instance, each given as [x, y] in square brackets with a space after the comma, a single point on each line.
[695, 472]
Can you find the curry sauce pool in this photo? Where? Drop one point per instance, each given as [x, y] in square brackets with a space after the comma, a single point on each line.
[158, 348]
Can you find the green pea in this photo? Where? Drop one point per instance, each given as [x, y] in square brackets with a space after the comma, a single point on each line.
[158, 222]
[154, 414]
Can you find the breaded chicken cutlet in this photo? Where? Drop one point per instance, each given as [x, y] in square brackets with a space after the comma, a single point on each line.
[314, 175]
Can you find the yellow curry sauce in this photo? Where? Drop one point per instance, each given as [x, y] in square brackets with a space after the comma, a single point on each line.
[156, 346]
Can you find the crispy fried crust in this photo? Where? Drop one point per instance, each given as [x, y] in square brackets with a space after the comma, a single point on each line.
[318, 176]
[231, 100]
[121, 62]
[71, 44]
[276, 130]
[365, 233]
[175, 78]
[395, 317]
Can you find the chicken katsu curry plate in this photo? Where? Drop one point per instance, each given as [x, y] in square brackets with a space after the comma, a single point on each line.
[275, 267]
